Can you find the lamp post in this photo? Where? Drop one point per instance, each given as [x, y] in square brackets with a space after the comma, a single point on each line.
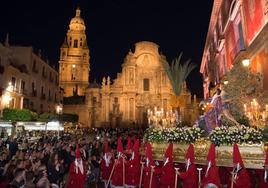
[59, 111]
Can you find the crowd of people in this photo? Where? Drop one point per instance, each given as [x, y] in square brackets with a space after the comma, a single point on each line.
[116, 158]
[49, 162]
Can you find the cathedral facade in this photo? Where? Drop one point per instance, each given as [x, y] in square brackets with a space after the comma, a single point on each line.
[143, 84]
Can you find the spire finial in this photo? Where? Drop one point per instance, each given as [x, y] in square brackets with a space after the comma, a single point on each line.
[78, 11]
[7, 40]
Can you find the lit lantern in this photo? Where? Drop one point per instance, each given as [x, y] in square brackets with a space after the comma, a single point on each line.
[246, 62]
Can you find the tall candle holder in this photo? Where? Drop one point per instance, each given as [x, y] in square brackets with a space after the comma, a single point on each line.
[256, 114]
[160, 118]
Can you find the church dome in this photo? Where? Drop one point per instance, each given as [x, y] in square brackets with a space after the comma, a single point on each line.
[77, 23]
[146, 47]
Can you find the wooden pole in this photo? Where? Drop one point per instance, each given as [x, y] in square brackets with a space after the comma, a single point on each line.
[106, 186]
[124, 172]
[176, 177]
[142, 167]
[232, 180]
[151, 176]
[199, 177]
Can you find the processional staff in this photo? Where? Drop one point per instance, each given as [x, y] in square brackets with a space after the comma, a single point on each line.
[199, 177]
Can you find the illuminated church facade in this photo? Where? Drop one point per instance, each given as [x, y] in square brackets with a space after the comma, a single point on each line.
[143, 84]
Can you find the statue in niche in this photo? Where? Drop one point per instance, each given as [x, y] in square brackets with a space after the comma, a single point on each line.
[131, 77]
[116, 106]
[75, 90]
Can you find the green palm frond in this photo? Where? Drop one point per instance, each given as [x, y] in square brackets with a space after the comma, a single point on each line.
[178, 72]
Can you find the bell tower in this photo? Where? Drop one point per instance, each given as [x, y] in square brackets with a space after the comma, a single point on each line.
[74, 59]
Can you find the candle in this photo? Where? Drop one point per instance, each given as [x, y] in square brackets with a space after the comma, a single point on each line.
[263, 116]
[245, 107]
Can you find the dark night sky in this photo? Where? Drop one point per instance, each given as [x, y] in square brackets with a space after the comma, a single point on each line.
[113, 26]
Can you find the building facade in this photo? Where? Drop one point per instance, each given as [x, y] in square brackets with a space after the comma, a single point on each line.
[142, 85]
[27, 81]
[74, 59]
[237, 31]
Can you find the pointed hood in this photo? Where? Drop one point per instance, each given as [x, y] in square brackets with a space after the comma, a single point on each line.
[211, 158]
[129, 143]
[106, 147]
[149, 154]
[77, 152]
[169, 154]
[237, 156]
[119, 145]
[136, 146]
[211, 155]
[190, 154]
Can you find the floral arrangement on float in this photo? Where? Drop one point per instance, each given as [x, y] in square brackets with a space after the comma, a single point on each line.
[240, 135]
[219, 136]
[177, 134]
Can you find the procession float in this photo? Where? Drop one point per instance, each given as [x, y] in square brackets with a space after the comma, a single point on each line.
[236, 113]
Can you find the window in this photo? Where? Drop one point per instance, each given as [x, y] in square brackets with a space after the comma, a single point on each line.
[73, 77]
[63, 54]
[34, 65]
[146, 84]
[43, 71]
[241, 36]
[70, 41]
[75, 43]
[22, 85]
[13, 81]
[81, 42]
[33, 89]
[84, 55]
[116, 100]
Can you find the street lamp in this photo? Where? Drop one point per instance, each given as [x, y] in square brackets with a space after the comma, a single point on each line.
[59, 111]
[6, 99]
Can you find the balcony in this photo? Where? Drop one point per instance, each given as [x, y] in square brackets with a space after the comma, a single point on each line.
[239, 46]
[35, 70]
[43, 96]
[34, 93]
[51, 79]
[23, 91]
[2, 69]
[44, 75]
